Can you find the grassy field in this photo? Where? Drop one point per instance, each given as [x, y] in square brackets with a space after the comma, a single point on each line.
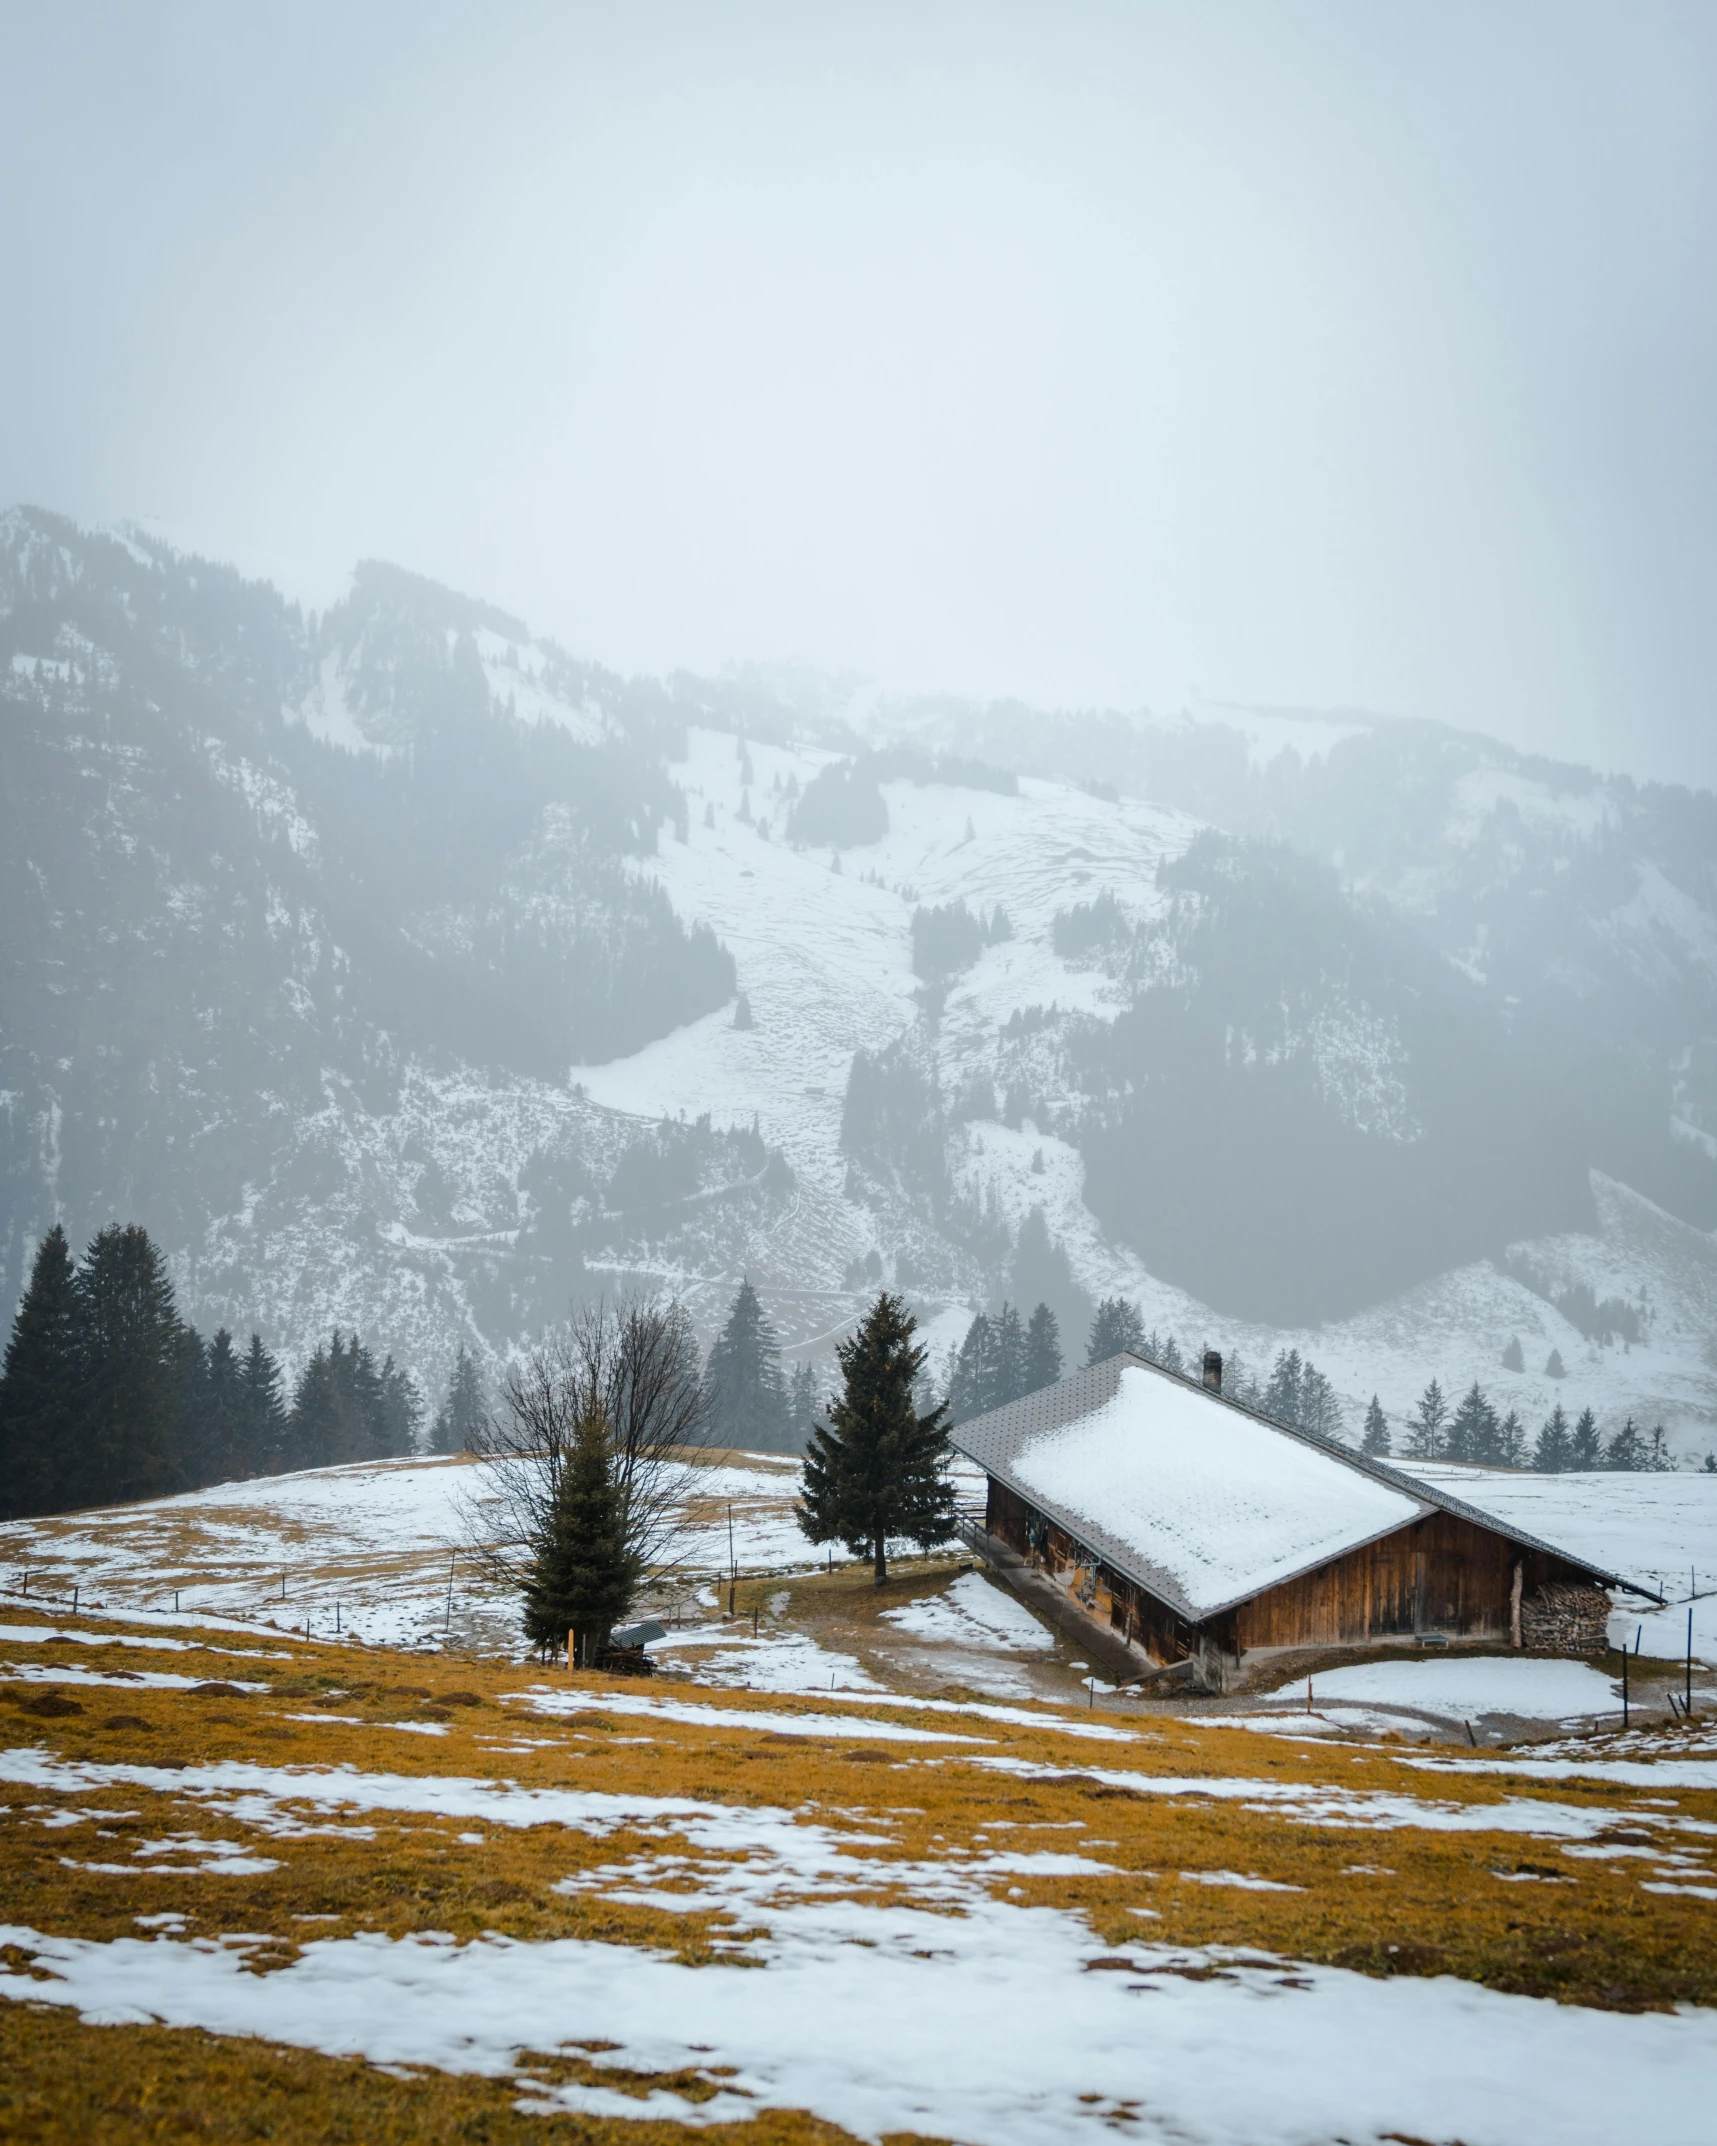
[282, 1801]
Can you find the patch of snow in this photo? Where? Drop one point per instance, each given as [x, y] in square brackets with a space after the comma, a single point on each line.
[973, 1612]
[1528, 1688]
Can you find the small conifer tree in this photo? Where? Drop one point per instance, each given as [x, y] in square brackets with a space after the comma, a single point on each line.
[1042, 1351]
[264, 1437]
[1428, 1424]
[1375, 1442]
[1511, 1441]
[1554, 1368]
[1472, 1428]
[1627, 1449]
[582, 1576]
[40, 1387]
[1550, 1455]
[876, 1471]
[1116, 1327]
[745, 1396]
[460, 1418]
[1586, 1448]
[1514, 1357]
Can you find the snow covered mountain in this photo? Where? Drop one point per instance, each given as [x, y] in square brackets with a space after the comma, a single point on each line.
[397, 969]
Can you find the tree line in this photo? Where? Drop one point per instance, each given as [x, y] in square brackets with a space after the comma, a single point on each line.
[106, 1394]
[1473, 1431]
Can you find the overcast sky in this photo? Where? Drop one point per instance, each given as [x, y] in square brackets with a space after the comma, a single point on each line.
[1337, 355]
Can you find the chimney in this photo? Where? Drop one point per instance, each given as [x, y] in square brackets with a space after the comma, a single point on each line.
[1213, 1370]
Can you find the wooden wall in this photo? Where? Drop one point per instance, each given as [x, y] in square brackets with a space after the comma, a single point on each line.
[1439, 1574]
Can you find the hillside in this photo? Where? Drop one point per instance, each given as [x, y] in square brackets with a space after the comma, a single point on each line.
[400, 970]
[256, 1881]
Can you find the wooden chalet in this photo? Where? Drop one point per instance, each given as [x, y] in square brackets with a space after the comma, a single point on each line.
[1198, 1530]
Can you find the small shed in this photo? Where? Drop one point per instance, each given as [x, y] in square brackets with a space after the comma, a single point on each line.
[1197, 1529]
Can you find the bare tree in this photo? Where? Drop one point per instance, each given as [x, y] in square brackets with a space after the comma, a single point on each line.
[633, 1359]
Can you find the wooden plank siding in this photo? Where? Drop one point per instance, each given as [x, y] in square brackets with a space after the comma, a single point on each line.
[1437, 1574]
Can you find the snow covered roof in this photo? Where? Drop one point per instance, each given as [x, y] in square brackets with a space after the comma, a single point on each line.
[1201, 1501]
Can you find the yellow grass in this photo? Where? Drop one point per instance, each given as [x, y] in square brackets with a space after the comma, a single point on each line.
[1435, 1904]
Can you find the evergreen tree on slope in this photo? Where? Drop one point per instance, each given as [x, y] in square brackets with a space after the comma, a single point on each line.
[130, 1343]
[40, 1387]
[1428, 1424]
[582, 1576]
[1042, 1351]
[876, 1470]
[972, 1382]
[1472, 1428]
[263, 1415]
[1116, 1327]
[461, 1414]
[1550, 1455]
[1585, 1447]
[745, 1399]
[1009, 1356]
[1375, 1443]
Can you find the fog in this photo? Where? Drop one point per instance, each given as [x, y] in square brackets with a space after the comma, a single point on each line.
[1314, 356]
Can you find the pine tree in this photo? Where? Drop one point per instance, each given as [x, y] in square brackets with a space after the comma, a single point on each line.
[1660, 1460]
[876, 1470]
[398, 1412]
[41, 1388]
[744, 1393]
[220, 1456]
[1427, 1425]
[1116, 1327]
[1553, 1365]
[972, 1382]
[460, 1417]
[1282, 1394]
[1472, 1428]
[1511, 1441]
[802, 1405]
[1514, 1357]
[1320, 1411]
[1585, 1448]
[1375, 1442]
[1627, 1448]
[1042, 1351]
[263, 1440]
[130, 1340]
[1171, 1359]
[1550, 1455]
[582, 1577]
[313, 1428]
[1009, 1357]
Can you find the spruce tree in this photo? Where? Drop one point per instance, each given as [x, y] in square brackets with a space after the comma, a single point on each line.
[1514, 1357]
[1171, 1359]
[1550, 1455]
[41, 1388]
[1585, 1448]
[1627, 1448]
[130, 1343]
[1511, 1441]
[1116, 1328]
[313, 1429]
[1009, 1357]
[1042, 1351]
[1320, 1411]
[1427, 1425]
[262, 1449]
[972, 1383]
[1471, 1428]
[582, 1575]
[876, 1470]
[399, 1412]
[221, 1454]
[1375, 1442]
[460, 1418]
[1282, 1394]
[745, 1397]
[802, 1405]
